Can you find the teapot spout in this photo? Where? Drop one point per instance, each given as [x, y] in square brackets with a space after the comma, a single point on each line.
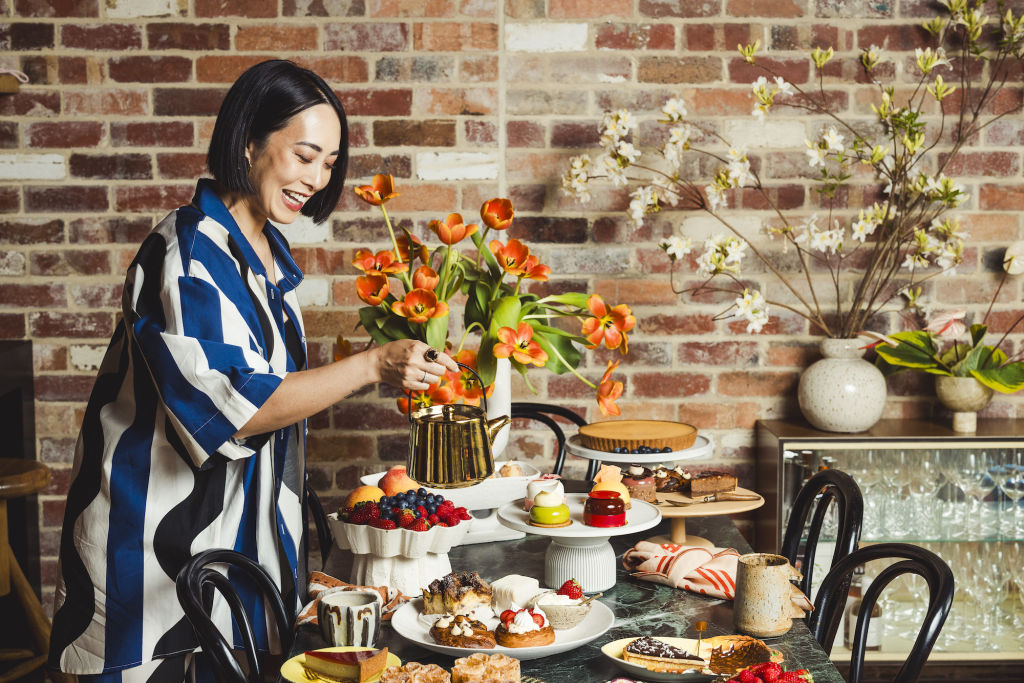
[495, 425]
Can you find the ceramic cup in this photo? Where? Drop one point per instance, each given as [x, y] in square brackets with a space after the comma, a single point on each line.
[350, 617]
[766, 601]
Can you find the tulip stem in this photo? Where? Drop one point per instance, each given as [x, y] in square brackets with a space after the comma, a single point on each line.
[404, 277]
[573, 370]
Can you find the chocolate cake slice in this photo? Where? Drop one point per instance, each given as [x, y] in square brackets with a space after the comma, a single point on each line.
[709, 482]
[657, 655]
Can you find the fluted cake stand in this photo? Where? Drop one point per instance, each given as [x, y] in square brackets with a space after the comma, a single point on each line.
[579, 551]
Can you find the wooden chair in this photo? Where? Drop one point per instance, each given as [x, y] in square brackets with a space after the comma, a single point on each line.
[545, 414]
[831, 485]
[313, 508]
[195, 585]
[831, 602]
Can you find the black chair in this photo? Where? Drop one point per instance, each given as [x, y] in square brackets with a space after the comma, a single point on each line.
[313, 508]
[831, 485]
[543, 412]
[195, 585]
[831, 601]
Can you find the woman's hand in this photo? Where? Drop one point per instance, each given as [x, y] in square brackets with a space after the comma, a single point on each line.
[405, 364]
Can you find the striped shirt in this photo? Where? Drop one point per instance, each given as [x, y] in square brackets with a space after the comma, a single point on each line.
[158, 475]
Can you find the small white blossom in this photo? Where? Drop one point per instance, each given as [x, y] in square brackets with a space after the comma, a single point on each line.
[833, 139]
[739, 168]
[676, 247]
[752, 307]
[722, 254]
[815, 154]
[610, 165]
[862, 228]
[574, 182]
[716, 197]
[674, 109]
[627, 151]
[644, 200]
[678, 142]
[783, 87]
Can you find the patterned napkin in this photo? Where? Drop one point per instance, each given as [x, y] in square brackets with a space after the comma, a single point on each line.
[708, 571]
[321, 584]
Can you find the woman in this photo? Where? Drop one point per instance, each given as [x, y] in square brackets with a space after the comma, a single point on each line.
[193, 435]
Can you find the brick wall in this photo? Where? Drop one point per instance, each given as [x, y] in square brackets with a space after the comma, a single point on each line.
[461, 100]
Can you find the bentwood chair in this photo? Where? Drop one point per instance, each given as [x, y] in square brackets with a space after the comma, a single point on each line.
[545, 414]
[313, 508]
[820, 490]
[196, 583]
[831, 601]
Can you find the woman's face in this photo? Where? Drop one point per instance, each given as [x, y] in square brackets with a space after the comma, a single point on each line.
[295, 163]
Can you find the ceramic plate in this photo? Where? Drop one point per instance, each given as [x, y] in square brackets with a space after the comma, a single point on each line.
[702, 448]
[292, 670]
[613, 651]
[408, 625]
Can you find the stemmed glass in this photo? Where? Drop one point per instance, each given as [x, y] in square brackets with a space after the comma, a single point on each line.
[951, 467]
[863, 467]
[1012, 486]
[896, 475]
[977, 484]
[924, 483]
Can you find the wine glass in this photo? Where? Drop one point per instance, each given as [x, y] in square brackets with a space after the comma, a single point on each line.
[977, 484]
[924, 484]
[1012, 486]
[862, 465]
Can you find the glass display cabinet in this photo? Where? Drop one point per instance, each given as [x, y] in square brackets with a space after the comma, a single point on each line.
[956, 494]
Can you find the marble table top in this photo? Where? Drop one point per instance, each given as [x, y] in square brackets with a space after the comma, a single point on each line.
[640, 607]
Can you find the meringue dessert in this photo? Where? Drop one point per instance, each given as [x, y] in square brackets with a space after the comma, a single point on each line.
[549, 510]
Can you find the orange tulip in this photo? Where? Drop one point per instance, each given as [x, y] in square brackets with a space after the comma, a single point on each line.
[419, 306]
[608, 325]
[535, 270]
[452, 229]
[381, 262]
[520, 346]
[608, 392]
[419, 250]
[512, 256]
[440, 393]
[343, 348]
[497, 213]
[372, 287]
[380, 190]
[425, 278]
[466, 385]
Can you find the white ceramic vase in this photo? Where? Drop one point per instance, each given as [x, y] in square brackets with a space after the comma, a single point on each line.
[965, 396]
[842, 392]
[500, 403]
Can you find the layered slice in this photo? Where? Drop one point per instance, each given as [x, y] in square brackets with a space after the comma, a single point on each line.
[354, 665]
[657, 655]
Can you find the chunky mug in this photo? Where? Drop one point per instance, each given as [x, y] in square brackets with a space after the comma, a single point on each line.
[350, 617]
[766, 601]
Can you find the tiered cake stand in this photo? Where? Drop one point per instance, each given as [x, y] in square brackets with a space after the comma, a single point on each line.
[579, 551]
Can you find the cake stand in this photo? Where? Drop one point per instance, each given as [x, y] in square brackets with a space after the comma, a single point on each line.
[678, 514]
[579, 551]
[703, 447]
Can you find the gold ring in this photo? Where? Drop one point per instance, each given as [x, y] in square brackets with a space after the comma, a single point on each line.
[430, 355]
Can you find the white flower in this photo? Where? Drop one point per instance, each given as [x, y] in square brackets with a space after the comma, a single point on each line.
[752, 307]
[1013, 259]
[676, 247]
[644, 200]
[716, 197]
[678, 142]
[722, 254]
[783, 87]
[815, 154]
[758, 112]
[739, 168]
[610, 165]
[863, 227]
[833, 139]
[666, 190]
[628, 152]
[574, 182]
[674, 109]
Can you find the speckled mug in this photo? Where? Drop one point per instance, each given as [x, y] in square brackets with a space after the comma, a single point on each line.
[763, 606]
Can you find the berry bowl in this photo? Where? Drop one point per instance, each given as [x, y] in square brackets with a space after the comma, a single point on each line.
[363, 539]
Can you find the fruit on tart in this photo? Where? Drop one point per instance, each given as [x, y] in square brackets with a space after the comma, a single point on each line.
[657, 655]
[609, 478]
[414, 672]
[771, 672]
[524, 628]
[549, 510]
[456, 593]
[513, 589]
[461, 631]
[416, 510]
[481, 668]
[353, 665]
[396, 480]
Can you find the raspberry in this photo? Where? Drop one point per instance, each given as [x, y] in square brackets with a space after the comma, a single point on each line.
[404, 518]
[463, 513]
[433, 519]
[419, 525]
[450, 519]
[364, 512]
[747, 676]
[383, 524]
[571, 588]
[442, 524]
[421, 511]
[447, 506]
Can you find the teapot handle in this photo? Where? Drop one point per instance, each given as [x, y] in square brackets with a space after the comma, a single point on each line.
[478, 381]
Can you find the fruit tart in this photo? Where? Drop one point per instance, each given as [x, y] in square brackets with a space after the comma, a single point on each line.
[481, 668]
[461, 631]
[524, 628]
[414, 672]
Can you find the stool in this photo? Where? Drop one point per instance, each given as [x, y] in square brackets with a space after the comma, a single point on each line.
[21, 478]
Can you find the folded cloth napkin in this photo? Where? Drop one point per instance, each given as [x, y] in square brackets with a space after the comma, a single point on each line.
[708, 571]
[321, 584]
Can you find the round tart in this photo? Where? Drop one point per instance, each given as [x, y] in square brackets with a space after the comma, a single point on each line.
[524, 628]
[611, 434]
[461, 631]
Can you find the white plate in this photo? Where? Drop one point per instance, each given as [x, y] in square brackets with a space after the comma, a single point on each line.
[703, 447]
[613, 651]
[640, 516]
[407, 624]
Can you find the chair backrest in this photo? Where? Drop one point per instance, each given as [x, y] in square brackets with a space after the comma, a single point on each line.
[313, 508]
[543, 412]
[831, 601]
[832, 485]
[195, 585]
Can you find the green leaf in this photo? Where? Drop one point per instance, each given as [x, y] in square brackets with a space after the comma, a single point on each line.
[1007, 379]
[915, 350]
[577, 299]
[373, 318]
[506, 312]
[486, 363]
[564, 347]
[437, 331]
[978, 332]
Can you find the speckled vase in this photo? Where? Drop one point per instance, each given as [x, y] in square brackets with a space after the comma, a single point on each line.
[842, 392]
[965, 396]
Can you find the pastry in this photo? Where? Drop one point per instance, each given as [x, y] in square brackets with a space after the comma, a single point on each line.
[609, 478]
[456, 593]
[630, 434]
[511, 469]
[639, 481]
[356, 665]
[729, 654]
[524, 628]
[461, 631]
[604, 509]
[481, 668]
[549, 510]
[667, 481]
[708, 482]
[538, 485]
[414, 672]
[513, 591]
[657, 655]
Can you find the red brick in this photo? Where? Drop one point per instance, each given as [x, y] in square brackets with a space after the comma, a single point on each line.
[669, 384]
[187, 101]
[481, 132]
[10, 199]
[765, 8]
[105, 36]
[78, 325]
[13, 295]
[785, 197]
[152, 134]
[24, 103]
[92, 297]
[525, 134]
[478, 68]
[559, 230]
[65, 134]
[182, 165]
[793, 70]
[718, 353]
[23, 36]
[320, 260]
[106, 230]
[39, 69]
[149, 69]
[635, 37]
[432, 198]
[73, 70]
[109, 101]
[754, 383]
[415, 8]
[399, 133]
[968, 163]
[575, 135]
[679, 70]
[70, 262]
[285, 38]
[455, 37]
[152, 197]
[662, 323]
[175, 36]
[236, 8]
[56, 8]
[64, 387]
[366, 36]
[677, 8]
[589, 9]
[893, 37]
[1001, 197]
[337, 68]
[29, 231]
[391, 102]
[66, 198]
[111, 166]
[225, 69]
[457, 101]
[12, 325]
[368, 165]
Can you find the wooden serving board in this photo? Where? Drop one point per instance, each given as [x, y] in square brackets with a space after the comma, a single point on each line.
[678, 515]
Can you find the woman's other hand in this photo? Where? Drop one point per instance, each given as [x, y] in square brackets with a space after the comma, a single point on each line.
[407, 364]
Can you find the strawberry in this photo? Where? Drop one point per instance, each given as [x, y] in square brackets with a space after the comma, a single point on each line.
[442, 524]
[747, 676]
[507, 616]
[404, 518]
[419, 525]
[364, 512]
[571, 588]
[446, 506]
[537, 618]
[463, 513]
[450, 519]
[421, 511]
[771, 672]
[383, 523]
[433, 519]
[790, 677]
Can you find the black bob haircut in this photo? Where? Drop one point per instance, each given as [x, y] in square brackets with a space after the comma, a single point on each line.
[260, 102]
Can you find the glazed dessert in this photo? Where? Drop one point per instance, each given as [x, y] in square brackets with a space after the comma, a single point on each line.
[414, 672]
[609, 478]
[511, 469]
[604, 509]
[657, 655]
[461, 631]
[564, 608]
[481, 668]
[549, 510]
[639, 481]
[668, 481]
[708, 482]
[729, 654]
[538, 485]
[524, 628]
[513, 591]
[358, 665]
[630, 434]
[456, 593]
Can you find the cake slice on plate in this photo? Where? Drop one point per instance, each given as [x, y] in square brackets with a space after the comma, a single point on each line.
[351, 665]
[657, 655]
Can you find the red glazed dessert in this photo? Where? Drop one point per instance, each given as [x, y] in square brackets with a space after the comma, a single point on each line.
[604, 509]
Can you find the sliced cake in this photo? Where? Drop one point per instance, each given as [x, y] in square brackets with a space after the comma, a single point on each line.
[513, 589]
[708, 482]
[456, 593]
[354, 665]
[657, 655]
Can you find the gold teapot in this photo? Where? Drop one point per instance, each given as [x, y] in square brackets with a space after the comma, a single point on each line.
[450, 445]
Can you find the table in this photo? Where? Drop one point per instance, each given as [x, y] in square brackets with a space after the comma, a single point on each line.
[640, 608]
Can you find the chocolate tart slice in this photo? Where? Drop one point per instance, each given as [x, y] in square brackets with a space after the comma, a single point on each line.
[611, 434]
[353, 665]
[657, 655]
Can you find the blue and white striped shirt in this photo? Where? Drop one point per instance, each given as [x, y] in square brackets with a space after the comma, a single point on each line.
[158, 476]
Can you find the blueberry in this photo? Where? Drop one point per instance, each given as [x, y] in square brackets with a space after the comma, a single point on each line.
[666, 449]
[635, 450]
[421, 491]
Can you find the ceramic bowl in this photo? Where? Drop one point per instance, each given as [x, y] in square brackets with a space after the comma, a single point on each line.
[363, 539]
